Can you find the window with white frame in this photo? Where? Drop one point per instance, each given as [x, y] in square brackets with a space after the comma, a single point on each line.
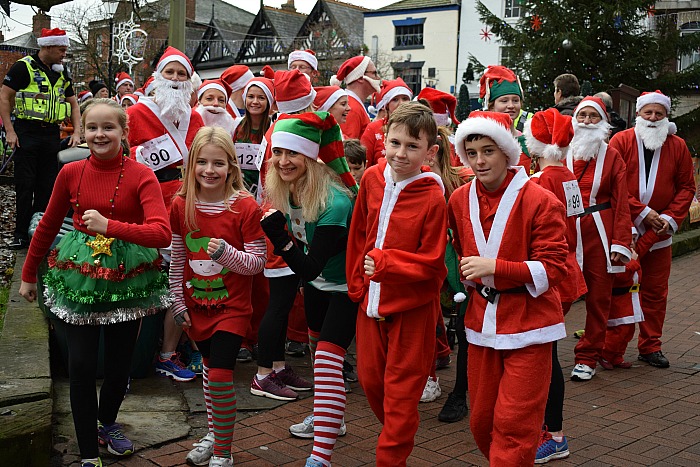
[686, 61]
[514, 9]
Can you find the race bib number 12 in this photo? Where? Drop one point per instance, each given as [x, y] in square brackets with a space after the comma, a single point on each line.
[160, 152]
[247, 154]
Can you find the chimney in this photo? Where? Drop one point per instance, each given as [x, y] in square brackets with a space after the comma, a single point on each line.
[289, 6]
[39, 21]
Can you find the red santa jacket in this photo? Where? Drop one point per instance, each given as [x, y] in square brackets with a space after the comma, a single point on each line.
[373, 140]
[401, 226]
[603, 180]
[670, 187]
[528, 227]
[357, 119]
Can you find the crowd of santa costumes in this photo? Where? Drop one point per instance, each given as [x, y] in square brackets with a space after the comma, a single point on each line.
[569, 213]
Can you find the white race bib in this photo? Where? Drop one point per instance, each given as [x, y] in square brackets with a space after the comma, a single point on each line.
[160, 152]
[247, 154]
[574, 202]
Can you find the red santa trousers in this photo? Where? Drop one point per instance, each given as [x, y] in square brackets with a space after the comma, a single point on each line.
[507, 395]
[393, 362]
[600, 283]
[656, 268]
[260, 299]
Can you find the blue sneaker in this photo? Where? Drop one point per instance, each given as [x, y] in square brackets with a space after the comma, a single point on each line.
[91, 463]
[112, 437]
[174, 369]
[549, 449]
[196, 364]
[311, 462]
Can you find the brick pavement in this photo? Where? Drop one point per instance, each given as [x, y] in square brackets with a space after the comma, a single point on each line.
[641, 416]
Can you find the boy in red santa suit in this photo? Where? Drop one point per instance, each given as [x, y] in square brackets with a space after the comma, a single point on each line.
[162, 128]
[510, 235]
[213, 95]
[395, 270]
[362, 79]
[661, 188]
[604, 228]
[394, 92]
[548, 135]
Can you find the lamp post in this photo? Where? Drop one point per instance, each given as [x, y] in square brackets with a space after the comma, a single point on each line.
[111, 7]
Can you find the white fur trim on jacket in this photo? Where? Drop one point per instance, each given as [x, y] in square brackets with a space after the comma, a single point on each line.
[487, 127]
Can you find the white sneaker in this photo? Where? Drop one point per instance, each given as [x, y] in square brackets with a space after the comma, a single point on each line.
[220, 462]
[582, 372]
[305, 429]
[202, 452]
[432, 390]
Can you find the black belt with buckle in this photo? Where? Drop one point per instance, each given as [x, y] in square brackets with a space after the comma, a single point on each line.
[617, 291]
[595, 208]
[490, 293]
[383, 319]
[167, 175]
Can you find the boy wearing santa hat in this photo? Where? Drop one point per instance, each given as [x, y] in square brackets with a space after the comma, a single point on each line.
[661, 188]
[510, 235]
[362, 79]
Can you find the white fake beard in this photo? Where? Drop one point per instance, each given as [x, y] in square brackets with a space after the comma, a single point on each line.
[220, 118]
[375, 83]
[653, 134]
[58, 67]
[172, 97]
[587, 140]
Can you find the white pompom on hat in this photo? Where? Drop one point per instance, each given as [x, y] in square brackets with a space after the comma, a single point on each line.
[495, 125]
[548, 134]
[656, 97]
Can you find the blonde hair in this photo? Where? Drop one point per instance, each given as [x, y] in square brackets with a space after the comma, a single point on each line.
[449, 174]
[234, 180]
[118, 110]
[312, 189]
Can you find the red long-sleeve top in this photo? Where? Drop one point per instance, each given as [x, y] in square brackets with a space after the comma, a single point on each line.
[138, 216]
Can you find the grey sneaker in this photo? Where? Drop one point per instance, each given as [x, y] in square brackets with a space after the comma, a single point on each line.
[202, 452]
[305, 429]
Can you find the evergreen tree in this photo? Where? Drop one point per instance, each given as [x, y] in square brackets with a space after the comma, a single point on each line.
[463, 107]
[607, 43]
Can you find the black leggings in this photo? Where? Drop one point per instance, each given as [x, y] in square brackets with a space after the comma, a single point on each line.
[332, 314]
[83, 345]
[554, 411]
[221, 349]
[460, 388]
[273, 326]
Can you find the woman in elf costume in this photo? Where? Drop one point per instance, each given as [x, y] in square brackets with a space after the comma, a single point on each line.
[105, 273]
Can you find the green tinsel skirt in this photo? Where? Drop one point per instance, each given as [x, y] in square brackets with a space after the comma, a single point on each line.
[84, 289]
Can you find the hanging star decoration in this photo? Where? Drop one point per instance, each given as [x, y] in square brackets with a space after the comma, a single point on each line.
[536, 23]
[100, 245]
[485, 34]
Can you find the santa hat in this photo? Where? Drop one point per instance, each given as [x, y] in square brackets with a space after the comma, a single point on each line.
[149, 86]
[327, 96]
[498, 81]
[390, 89]
[351, 70]
[548, 133]
[316, 135]
[495, 125]
[442, 103]
[95, 86]
[53, 37]
[121, 78]
[133, 98]
[83, 96]
[217, 84]
[237, 76]
[596, 103]
[293, 91]
[267, 86]
[308, 56]
[656, 97]
[172, 54]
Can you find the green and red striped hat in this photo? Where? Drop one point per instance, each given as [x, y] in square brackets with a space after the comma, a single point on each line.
[316, 135]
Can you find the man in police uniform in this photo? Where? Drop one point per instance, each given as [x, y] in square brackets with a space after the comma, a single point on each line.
[40, 94]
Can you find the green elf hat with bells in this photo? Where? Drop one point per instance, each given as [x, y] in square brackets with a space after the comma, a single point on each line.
[498, 81]
[317, 136]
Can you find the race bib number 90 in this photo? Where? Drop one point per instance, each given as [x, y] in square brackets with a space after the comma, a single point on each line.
[247, 154]
[574, 202]
[160, 152]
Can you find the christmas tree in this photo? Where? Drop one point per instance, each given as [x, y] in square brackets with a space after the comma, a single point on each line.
[462, 110]
[605, 42]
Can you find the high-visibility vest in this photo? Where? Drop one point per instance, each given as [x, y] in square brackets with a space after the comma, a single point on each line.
[40, 100]
[523, 116]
